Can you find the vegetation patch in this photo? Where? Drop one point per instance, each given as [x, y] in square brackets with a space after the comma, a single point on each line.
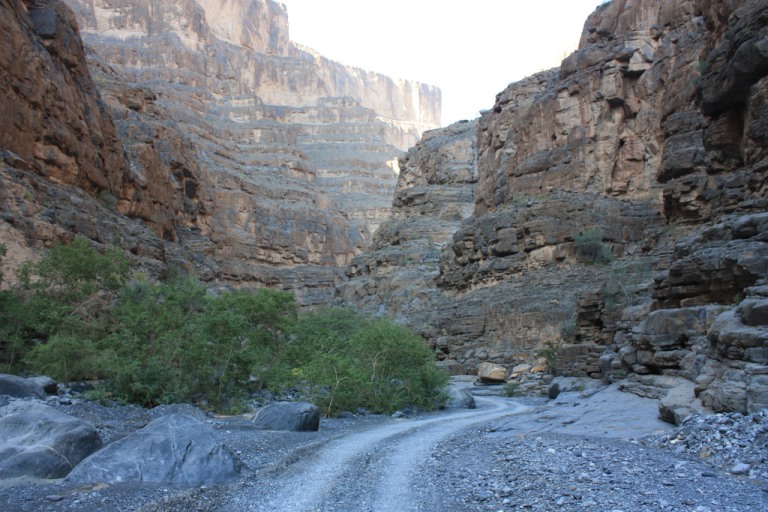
[590, 248]
[76, 315]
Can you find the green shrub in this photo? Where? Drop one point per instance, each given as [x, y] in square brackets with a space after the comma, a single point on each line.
[348, 361]
[568, 330]
[624, 286]
[108, 200]
[73, 316]
[174, 342]
[511, 389]
[590, 248]
[68, 294]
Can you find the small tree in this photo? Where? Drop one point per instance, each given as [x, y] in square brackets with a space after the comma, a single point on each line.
[550, 352]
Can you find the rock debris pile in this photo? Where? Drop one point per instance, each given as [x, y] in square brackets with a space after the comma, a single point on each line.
[563, 472]
[733, 442]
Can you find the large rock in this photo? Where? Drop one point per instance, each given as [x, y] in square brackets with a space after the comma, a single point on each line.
[290, 416]
[491, 372]
[175, 449]
[679, 403]
[39, 441]
[460, 398]
[19, 387]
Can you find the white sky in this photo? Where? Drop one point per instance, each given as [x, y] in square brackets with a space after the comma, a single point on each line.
[470, 49]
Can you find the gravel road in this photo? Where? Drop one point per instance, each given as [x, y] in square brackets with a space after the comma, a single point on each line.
[571, 454]
[370, 470]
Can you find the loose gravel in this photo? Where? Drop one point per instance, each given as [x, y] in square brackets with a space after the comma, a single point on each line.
[711, 463]
[485, 471]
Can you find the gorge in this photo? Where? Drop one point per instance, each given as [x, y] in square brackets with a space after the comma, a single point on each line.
[197, 142]
[600, 233]
[224, 149]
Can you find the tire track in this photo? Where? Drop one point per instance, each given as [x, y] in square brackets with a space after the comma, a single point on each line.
[371, 470]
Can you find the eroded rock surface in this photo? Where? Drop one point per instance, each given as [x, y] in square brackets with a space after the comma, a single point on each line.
[649, 135]
[235, 153]
[175, 449]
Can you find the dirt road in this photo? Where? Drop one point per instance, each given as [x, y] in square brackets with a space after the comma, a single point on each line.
[369, 470]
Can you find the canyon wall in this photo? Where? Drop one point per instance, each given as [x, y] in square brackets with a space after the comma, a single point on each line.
[648, 139]
[257, 161]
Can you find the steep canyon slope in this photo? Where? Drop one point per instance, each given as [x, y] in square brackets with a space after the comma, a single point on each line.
[651, 138]
[198, 135]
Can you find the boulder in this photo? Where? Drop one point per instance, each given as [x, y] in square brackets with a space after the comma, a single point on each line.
[38, 441]
[585, 386]
[290, 416]
[49, 385]
[460, 398]
[175, 449]
[491, 372]
[19, 387]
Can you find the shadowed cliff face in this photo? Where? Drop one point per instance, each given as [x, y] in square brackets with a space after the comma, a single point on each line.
[255, 161]
[51, 114]
[651, 135]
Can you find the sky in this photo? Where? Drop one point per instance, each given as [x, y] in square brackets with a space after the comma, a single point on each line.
[471, 50]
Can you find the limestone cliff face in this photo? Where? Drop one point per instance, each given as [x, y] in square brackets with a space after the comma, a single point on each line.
[294, 153]
[259, 161]
[52, 117]
[651, 135]
[435, 191]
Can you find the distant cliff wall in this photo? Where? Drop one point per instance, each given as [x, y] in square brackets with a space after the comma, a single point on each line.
[254, 161]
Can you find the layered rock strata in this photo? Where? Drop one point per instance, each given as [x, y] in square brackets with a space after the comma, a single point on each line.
[259, 162]
[434, 194]
[650, 135]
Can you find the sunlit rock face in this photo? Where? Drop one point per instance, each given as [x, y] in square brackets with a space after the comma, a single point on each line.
[650, 134]
[259, 162]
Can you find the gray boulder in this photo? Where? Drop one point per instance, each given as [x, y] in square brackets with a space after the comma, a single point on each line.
[49, 385]
[38, 441]
[460, 398]
[291, 416]
[19, 387]
[174, 450]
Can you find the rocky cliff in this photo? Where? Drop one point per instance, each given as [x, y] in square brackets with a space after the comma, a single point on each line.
[199, 136]
[648, 141]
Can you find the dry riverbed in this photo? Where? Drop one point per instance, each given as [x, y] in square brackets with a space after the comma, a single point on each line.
[575, 453]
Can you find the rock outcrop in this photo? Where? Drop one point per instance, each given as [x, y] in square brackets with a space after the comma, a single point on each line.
[205, 140]
[19, 387]
[649, 138]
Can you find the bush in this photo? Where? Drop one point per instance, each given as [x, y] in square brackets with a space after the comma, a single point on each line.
[67, 294]
[568, 330]
[590, 248]
[626, 286]
[347, 361]
[73, 317]
[174, 342]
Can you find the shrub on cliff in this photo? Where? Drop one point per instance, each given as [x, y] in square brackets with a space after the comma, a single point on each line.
[590, 248]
